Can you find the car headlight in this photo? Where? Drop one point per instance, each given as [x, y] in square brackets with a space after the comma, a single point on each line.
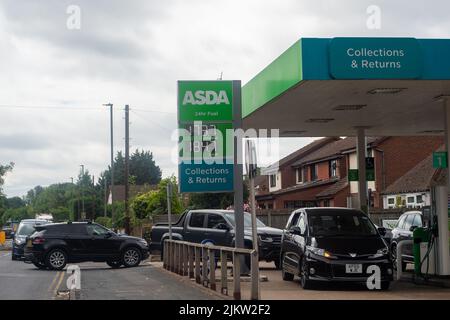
[321, 252]
[143, 242]
[380, 253]
[265, 238]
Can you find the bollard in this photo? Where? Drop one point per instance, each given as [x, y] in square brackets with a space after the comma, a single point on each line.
[400, 246]
[197, 265]
[212, 269]
[223, 272]
[236, 276]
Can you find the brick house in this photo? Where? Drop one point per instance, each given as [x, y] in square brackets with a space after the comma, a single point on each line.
[413, 189]
[318, 177]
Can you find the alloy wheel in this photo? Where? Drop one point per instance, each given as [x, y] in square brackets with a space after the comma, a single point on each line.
[57, 259]
[131, 257]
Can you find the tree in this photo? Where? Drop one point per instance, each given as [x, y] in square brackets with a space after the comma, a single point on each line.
[155, 202]
[4, 169]
[214, 200]
[15, 202]
[143, 170]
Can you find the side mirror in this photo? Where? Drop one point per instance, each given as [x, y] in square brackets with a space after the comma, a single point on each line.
[296, 230]
[412, 228]
[382, 231]
[108, 235]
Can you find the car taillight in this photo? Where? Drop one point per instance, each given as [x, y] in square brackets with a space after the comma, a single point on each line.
[38, 240]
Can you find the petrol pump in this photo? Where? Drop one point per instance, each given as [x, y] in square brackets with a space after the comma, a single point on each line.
[430, 242]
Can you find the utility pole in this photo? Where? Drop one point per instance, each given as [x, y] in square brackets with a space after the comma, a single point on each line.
[71, 195]
[127, 156]
[93, 199]
[106, 196]
[110, 105]
[83, 213]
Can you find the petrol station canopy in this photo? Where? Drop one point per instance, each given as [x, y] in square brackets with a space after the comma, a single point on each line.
[328, 87]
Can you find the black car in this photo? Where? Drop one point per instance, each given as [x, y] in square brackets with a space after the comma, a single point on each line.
[404, 231]
[54, 245]
[25, 229]
[333, 244]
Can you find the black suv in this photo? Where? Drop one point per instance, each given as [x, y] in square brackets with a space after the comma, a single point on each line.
[54, 245]
[333, 244]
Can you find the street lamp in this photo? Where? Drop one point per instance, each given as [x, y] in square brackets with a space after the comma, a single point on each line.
[110, 105]
[83, 213]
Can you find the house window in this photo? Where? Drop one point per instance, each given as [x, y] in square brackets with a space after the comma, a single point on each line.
[273, 180]
[410, 200]
[326, 203]
[313, 172]
[299, 175]
[333, 168]
[419, 199]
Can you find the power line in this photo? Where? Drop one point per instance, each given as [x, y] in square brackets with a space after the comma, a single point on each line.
[140, 117]
[69, 108]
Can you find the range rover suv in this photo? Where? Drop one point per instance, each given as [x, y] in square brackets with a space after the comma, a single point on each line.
[52, 246]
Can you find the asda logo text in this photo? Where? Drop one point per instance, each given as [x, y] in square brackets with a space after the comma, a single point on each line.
[201, 97]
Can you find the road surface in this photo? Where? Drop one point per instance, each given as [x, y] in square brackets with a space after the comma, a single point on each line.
[19, 280]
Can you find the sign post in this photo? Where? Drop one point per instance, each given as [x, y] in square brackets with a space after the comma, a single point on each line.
[211, 160]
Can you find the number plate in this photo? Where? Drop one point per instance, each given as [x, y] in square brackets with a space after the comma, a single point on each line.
[29, 243]
[353, 268]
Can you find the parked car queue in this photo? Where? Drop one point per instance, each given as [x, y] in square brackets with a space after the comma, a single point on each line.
[317, 244]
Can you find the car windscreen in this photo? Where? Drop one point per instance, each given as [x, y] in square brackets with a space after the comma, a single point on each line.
[25, 229]
[340, 224]
[247, 220]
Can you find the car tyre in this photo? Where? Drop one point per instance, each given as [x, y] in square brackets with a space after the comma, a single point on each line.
[114, 264]
[286, 276]
[13, 257]
[277, 264]
[131, 257]
[305, 282]
[56, 259]
[40, 265]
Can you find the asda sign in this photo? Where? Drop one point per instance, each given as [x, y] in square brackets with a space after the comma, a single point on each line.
[375, 58]
[205, 115]
[205, 101]
[201, 98]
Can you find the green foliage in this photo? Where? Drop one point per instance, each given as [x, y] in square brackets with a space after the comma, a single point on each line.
[16, 215]
[14, 203]
[155, 202]
[214, 200]
[104, 221]
[143, 170]
[60, 214]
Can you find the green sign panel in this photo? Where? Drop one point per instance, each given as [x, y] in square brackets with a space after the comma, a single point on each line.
[375, 58]
[205, 101]
[440, 160]
[205, 114]
[353, 175]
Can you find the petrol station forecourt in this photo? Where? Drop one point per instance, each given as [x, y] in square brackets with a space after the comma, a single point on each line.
[358, 87]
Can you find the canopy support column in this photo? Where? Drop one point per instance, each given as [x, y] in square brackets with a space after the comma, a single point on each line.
[442, 211]
[361, 150]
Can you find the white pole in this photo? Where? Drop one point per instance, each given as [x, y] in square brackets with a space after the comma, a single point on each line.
[251, 163]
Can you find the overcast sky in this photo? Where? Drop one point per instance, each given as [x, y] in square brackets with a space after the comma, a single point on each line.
[54, 80]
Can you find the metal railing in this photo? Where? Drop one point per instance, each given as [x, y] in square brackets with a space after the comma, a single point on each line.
[198, 261]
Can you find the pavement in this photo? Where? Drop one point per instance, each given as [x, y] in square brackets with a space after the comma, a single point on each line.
[277, 289]
[19, 280]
